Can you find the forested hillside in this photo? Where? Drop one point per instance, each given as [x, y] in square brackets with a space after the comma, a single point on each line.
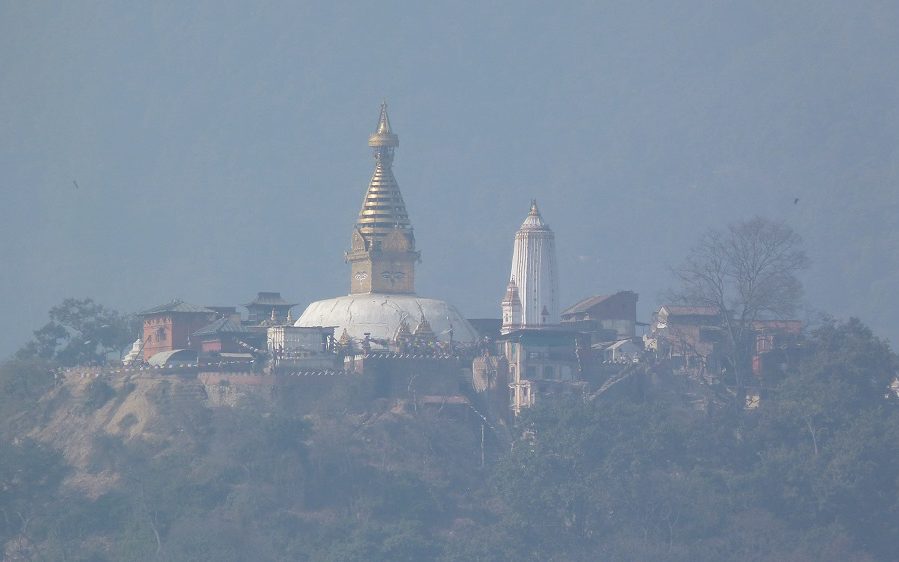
[143, 470]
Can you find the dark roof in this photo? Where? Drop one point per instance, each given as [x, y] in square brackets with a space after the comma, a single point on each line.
[691, 310]
[585, 305]
[489, 327]
[264, 298]
[176, 305]
[221, 326]
[590, 302]
[548, 335]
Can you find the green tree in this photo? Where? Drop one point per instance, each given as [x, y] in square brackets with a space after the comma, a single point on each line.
[812, 474]
[81, 331]
[828, 438]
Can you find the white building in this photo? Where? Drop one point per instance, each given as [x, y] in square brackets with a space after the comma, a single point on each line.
[299, 341]
[534, 274]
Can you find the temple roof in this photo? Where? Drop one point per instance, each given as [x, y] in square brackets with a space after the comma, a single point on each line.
[534, 221]
[511, 296]
[265, 298]
[176, 305]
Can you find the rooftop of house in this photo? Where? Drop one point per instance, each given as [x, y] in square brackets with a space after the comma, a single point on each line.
[585, 305]
[176, 305]
[590, 302]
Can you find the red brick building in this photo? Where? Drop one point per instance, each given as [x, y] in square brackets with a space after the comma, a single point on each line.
[169, 326]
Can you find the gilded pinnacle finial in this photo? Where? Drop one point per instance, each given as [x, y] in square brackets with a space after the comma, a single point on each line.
[383, 137]
[534, 210]
[383, 120]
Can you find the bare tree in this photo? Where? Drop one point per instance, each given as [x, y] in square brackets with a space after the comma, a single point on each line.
[748, 271]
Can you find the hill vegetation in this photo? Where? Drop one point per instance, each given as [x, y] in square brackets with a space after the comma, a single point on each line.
[140, 469]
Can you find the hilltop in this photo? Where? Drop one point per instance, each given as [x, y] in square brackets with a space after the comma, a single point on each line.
[145, 467]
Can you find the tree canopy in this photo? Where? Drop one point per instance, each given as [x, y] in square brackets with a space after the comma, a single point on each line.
[813, 473]
[81, 331]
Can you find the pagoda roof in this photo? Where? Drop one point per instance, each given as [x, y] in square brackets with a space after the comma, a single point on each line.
[266, 298]
[176, 305]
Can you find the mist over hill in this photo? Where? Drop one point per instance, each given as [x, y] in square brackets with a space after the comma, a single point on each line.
[205, 152]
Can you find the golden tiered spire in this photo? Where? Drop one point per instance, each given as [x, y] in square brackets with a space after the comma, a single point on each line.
[383, 209]
[383, 244]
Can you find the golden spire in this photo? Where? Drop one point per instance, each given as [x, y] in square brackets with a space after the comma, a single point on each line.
[382, 251]
[383, 209]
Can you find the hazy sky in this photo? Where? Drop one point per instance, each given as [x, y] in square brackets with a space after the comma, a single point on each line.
[220, 148]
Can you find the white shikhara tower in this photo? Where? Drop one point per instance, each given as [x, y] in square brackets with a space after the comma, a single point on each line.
[534, 275]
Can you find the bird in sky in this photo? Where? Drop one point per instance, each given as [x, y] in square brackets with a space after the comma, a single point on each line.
[796, 201]
[75, 183]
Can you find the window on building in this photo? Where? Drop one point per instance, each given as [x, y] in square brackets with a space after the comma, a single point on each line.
[160, 334]
[549, 372]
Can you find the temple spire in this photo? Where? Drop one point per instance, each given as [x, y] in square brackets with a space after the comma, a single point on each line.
[383, 245]
[383, 209]
[383, 120]
[534, 220]
[534, 270]
[383, 141]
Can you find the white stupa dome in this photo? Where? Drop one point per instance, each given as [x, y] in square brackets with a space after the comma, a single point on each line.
[381, 315]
